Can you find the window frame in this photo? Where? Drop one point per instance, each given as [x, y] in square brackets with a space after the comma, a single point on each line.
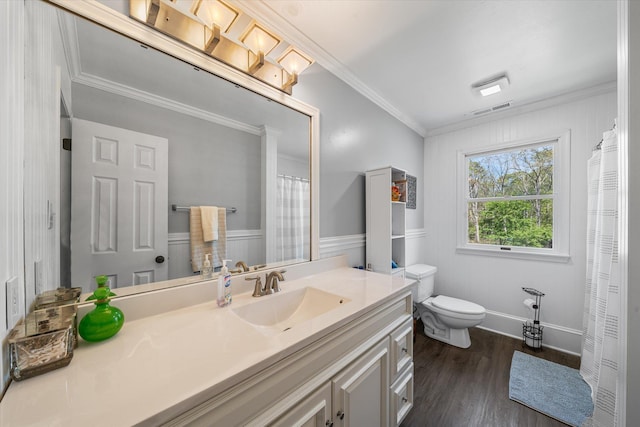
[561, 201]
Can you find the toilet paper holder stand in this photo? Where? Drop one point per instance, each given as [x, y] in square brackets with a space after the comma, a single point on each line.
[532, 332]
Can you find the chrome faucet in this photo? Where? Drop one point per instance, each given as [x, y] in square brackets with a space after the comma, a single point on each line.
[271, 285]
[243, 265]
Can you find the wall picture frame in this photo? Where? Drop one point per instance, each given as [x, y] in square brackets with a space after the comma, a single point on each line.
[411, 192]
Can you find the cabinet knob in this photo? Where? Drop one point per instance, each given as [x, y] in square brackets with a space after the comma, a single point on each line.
[329, 423]
[404, 400]
[159, 259]
[404, 350]
[340, 415]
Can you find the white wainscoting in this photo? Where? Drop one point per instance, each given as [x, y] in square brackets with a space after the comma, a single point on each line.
[41, 151]
[354, 245]
[12, 130]
[242, 245]
[415, 246]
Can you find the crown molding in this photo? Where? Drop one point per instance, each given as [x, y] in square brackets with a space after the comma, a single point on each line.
[263, 12]
[159, 101]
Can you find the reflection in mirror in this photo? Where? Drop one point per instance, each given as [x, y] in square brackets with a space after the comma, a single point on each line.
[150, 131]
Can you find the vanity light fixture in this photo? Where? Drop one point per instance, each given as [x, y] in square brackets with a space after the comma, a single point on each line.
[149, 9]
[216, 15]
[294, 62]
[204, 24]
[260, 43]
[258, 39]
[491, 86]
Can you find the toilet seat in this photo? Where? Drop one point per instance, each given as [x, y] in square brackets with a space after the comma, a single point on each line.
[456, 305]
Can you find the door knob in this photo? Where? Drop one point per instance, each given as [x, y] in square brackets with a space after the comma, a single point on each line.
[159, 259]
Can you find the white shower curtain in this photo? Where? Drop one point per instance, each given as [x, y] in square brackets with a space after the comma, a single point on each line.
[293, 222]
[599, 364]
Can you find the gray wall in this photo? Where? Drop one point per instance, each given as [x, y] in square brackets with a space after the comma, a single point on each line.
[205, 159]
[294, 167]
[356, 135]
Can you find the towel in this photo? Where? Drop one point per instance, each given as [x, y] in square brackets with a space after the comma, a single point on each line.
[209, 216]
[218, 248]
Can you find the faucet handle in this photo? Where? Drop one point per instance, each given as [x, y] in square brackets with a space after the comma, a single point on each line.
[258, 291]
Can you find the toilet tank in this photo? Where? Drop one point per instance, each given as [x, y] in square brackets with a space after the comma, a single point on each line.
[424, 274]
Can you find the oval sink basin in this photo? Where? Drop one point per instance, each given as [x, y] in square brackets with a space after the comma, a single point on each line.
[276, 313]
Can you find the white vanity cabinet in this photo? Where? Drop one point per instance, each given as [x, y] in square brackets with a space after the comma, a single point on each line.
[202, 365]
[360, 392]
[312, 411]
[349, 398]
[346, 378]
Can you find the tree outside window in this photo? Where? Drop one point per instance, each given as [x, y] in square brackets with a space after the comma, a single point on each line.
[510, 197]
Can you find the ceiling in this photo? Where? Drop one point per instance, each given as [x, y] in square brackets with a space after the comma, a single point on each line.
[418, 59]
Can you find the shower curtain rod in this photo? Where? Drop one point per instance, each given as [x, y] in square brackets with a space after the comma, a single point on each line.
[175, 207]
[599, 145]
[293, 177]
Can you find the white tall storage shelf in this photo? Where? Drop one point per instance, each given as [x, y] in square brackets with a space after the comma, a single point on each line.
[386, 220]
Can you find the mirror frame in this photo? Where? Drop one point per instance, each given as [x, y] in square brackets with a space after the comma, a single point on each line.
[123, 24]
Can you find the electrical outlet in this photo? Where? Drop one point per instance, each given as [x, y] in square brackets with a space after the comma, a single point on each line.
[37, 274]
[13, 302]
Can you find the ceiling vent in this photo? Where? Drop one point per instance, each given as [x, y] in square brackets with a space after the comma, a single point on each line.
[492, 109]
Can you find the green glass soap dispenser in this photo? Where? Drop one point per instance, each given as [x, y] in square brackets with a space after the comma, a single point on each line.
[104, 321]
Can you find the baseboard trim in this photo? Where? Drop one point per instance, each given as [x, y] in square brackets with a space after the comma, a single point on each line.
[557, 337]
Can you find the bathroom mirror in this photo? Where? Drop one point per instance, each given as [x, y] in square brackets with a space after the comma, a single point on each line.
[230, 142]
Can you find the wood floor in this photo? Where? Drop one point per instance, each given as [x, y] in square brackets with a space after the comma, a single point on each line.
[470, 387]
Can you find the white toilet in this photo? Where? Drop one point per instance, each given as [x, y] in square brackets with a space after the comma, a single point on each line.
[445, 319]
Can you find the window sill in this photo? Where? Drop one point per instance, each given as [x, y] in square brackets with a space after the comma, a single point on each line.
[515, 254]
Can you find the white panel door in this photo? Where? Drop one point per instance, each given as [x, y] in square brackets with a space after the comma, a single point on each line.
[361, 392]
[119, 205]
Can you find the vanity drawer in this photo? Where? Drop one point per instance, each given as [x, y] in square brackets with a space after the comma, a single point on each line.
[401, 348]
[401, 396]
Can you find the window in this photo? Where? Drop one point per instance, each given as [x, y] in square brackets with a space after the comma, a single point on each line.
[515, 199]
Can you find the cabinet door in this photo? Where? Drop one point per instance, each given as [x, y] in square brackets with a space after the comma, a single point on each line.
[361, 391]
[313, 411]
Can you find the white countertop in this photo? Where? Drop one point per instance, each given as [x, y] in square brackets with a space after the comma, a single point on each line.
[167, 362]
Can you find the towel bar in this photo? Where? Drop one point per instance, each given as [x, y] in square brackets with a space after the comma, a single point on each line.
[175, 207]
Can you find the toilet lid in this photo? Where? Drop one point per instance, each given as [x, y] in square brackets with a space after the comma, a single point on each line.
[418, 271]
[457, 305]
